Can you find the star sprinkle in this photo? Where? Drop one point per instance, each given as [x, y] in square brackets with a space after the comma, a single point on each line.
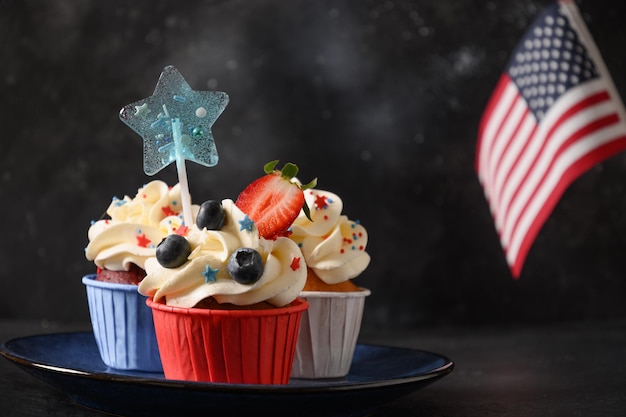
[295, 264]
[246, 224]
[209, 274]
[143, 241]
[142, 111]
[182, 230]
[167, 211]
[320, 202]
[180, 124]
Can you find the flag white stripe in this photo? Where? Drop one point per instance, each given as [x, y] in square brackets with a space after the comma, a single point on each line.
[528, 176]
[507, 166]
[568, 158]
[499, 114]
[569, 9]
[543, 165]
[525, 164]
[539, 170]
[506, 133]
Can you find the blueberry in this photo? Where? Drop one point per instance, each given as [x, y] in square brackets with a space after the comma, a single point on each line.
[245, 265]
[173, 251]
[211, 215]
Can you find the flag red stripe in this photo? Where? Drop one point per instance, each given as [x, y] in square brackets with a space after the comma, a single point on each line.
[497, 172]
[489, 178]
[581, 133]
[583, 104]
[503, 82]
[575, 170]
[524, 161]
[515, 163]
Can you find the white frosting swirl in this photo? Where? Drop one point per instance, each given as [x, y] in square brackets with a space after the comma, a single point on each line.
[136, 226]
[332, 245]
[284, 273]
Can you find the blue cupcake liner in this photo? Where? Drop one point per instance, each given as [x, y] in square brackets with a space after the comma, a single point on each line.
[122, 325]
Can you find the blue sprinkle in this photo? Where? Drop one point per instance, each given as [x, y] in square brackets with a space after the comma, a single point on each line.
[166, 147]
[180, 99]
[209, 274]
[246, 224]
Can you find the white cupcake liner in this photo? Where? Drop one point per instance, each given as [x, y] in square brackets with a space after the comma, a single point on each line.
[122, 325]
[328, 333]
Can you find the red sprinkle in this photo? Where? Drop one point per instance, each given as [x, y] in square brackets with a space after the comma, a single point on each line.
[295, 264]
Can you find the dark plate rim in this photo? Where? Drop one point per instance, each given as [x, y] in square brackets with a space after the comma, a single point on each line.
[318, 386]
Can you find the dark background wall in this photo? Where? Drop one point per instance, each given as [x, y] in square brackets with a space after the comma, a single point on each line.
[379, 99]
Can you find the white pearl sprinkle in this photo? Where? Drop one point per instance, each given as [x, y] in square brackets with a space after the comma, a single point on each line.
[201, 112]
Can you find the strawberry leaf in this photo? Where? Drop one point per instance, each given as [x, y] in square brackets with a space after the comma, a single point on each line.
[269, 167]
[289, 171]
[307, 211]
[310, 185]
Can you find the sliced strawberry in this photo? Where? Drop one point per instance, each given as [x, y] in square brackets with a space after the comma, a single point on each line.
[274, 201]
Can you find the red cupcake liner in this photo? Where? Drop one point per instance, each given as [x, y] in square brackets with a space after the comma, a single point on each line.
[231, 346]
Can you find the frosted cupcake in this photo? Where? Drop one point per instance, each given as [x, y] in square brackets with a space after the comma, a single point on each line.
[119, 247]
[334, 248]
[225, 301]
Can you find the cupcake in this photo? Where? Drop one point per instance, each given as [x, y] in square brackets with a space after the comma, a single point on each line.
[119, 247]
[333, 247]
[224, 300]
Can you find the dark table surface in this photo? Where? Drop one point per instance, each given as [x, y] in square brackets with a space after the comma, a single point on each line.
[572, 369]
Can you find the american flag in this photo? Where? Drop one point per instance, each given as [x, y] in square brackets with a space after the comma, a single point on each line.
[554, 114]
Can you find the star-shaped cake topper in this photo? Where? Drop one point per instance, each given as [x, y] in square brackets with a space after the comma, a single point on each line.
[175, 122]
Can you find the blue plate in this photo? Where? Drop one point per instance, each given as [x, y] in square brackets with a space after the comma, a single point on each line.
[70, 362]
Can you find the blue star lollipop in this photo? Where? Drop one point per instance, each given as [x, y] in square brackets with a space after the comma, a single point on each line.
[175, 124]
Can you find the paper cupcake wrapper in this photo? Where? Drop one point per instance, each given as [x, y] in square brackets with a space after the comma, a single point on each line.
[328, 334]
[122, 326]
[232, 346]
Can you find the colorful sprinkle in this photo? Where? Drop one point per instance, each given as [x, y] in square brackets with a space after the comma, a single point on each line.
[201, 112]
[143, 241]
[320, 202]
[209, 274]
[246, 224]
[181, 230]
[142, 111]
[295, 264]
[167, 211]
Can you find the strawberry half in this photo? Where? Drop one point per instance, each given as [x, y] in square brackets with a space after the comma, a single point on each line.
[274, 201]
